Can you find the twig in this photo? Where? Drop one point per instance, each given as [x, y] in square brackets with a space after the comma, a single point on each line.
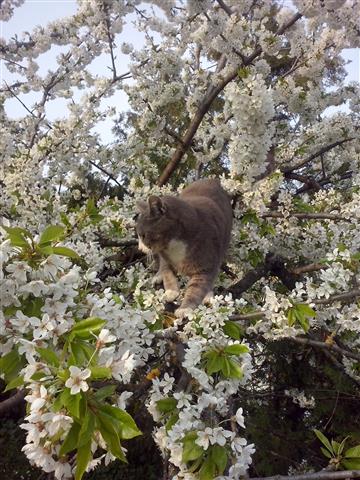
[19, 100]
[311, 267]
[102, 169]
[322, 475]
[333, 411]
[111, 44]
[328, 346]
[304, 216]
[338, 298]
[316, 154]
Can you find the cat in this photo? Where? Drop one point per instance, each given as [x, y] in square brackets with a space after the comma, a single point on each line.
[190, 233]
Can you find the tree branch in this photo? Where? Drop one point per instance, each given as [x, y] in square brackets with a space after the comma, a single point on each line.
[225, 7]
[316, 154]
[328, 346]
[322, 475]
[105, 242]
[12, 402]
[304, 216]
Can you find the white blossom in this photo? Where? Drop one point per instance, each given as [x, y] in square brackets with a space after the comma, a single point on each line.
[76, 381]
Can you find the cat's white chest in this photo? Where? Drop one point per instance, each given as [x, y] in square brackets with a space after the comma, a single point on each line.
[176, 251]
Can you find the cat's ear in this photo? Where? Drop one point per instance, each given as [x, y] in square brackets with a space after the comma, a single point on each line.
[141, 206]
[156, 206]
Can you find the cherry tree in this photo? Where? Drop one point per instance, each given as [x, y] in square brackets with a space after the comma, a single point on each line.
[251, 92]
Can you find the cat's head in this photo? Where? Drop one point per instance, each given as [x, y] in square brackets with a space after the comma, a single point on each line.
[155, 225]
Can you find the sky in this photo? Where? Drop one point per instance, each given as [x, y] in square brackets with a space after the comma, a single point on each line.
[40, 12]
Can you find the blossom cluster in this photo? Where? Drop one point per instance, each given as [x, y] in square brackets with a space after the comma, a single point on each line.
[236, 90]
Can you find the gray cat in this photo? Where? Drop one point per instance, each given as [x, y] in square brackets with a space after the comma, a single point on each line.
[190, 233]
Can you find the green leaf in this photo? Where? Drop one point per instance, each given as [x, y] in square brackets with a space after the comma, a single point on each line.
[82, 351]
[323, 440]
[304, 322]
[166, 405]
[87, 428]
[11, 364]
[235, 370]
[8, 361]
[100, 372]
[255, 257]
[110, 435]
[353, 452]
[243, 72]
[220, 458]
[335, 445]
[208, 469]
[226, 369]
[65, 219]
[236, 349]
[57, 404]
[49, 356]
[38, 376]
[232, 330]
[46, 249]
[326, 452]
[128, 427]
[87, 327]
[291, 317]
[191, 450]
[215, 363]
[32, 307]
[83, 457]
[17, 236]
[342, 445]
[105, 392]
[353, 464]
[92, 211]
[71, 439]
[306, 310]
[51, 233]
[65, 252]
[16, 382]
[172, 420]
[71, 402]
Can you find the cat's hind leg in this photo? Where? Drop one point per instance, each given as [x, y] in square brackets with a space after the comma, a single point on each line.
[198, 288]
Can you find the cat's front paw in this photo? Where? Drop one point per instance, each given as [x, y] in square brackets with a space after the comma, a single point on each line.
[157, 279]
[170, 295]
[183, 312]
[208, 298]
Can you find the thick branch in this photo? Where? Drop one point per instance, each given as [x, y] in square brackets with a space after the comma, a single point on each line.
[273, 265]
[205, 106]
[323, 475]
[12, 402]
[225, 7]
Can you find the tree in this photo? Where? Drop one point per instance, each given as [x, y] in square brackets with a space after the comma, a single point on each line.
[239, 90]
